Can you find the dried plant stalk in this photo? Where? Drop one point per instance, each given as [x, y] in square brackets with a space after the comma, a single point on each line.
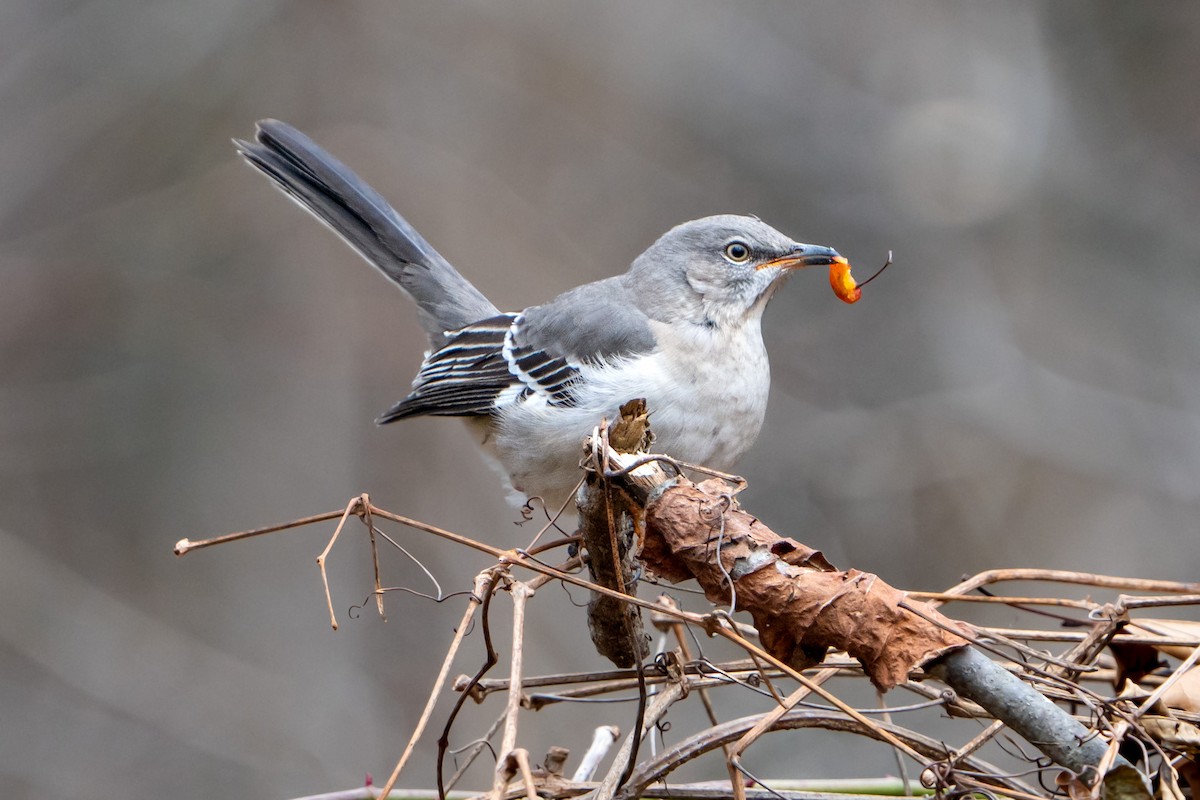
[607, 530]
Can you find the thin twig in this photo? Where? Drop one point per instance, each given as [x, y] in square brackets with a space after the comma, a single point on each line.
[654, 712]
[994, 599]
[1067, 576]
[490, 660]
[185, 546]
[1155, 602]
[768, 721]
[886, 716]
[1157, 694]
[678, 630]
[985, 645]
[553, 520]
[366, 518]
[413, 559]
[750, 647]
[521, 592]
[354, 505]
[483, 588]
[692, 747]
[521, 756]
[602, 741]
[472, 750]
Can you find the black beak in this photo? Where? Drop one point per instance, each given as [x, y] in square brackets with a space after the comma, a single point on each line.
[805, 255]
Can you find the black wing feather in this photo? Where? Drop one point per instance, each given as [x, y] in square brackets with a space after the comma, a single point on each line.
[471, 373]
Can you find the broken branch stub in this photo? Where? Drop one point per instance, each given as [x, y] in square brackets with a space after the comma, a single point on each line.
[800, 604]
[608, 529]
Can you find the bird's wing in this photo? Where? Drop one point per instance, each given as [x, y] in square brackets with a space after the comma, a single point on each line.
[533, 355]
[595, 322]
[464, 377]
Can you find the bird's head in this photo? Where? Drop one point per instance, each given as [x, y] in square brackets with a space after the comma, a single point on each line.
[718, 271]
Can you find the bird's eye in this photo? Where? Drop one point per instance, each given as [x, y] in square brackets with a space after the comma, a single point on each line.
[737, 252]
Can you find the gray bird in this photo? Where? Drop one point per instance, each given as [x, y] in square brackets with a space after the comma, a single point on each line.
[681, 328]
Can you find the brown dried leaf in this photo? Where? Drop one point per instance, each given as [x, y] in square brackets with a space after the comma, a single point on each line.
[801, 555]
[1178, 629]
[1173, 733]
[1072, 786]
[1134, 661]
[630, 432]
[1190, 772]
[1184, 694]
[801, 609]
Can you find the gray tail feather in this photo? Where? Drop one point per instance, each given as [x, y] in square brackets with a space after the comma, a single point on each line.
[356, 212]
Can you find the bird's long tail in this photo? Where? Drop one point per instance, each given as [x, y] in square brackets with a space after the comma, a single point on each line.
[356, 212]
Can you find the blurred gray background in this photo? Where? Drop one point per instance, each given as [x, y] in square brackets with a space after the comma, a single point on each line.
[184, 353]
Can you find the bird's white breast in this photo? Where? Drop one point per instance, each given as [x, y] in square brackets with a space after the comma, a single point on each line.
[706, 390]
[708, 398]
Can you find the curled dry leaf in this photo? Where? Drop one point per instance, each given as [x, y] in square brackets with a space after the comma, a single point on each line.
[1173, 733]
[1184, 694]
[1190, 772]
[1174, 628]
[800, 605]
[1135, 661]
[1072, 786]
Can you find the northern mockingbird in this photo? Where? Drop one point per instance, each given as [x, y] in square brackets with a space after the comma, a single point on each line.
[680, 328]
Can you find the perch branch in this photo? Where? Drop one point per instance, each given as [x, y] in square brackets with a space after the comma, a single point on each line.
[802, 606]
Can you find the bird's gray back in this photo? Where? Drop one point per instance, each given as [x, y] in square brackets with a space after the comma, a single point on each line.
[589, 323]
